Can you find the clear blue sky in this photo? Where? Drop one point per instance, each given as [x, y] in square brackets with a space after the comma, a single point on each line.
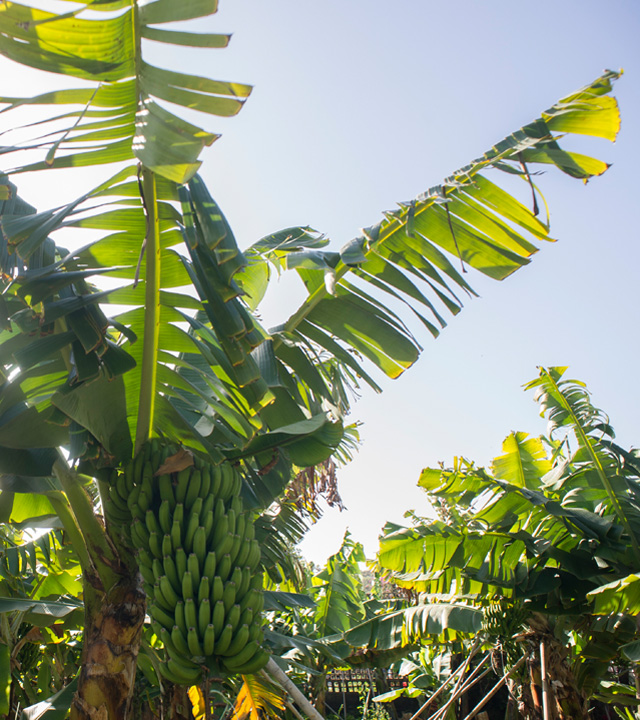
[363, 103]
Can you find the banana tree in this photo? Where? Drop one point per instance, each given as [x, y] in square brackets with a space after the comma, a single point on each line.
[536, 540]
[84, 389]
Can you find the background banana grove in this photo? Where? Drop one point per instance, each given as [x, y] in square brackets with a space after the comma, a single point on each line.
[180, 416]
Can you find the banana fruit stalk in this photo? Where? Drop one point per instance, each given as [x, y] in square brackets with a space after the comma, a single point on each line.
[199, 562]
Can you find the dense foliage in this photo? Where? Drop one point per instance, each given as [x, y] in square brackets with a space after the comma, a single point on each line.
[85, 389]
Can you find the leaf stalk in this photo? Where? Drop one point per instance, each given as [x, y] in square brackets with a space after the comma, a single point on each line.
[146, 404]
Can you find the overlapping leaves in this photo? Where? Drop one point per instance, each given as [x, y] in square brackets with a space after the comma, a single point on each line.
[413, 264]
[118, 118]
[534, 528]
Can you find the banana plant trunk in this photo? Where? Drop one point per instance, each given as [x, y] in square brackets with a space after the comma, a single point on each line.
[113, 628]
[114, 619]
[565, 701]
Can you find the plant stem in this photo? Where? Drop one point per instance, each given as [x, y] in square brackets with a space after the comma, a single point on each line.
[104, 560]
[280, 676]
[61, 506]
[545, 682]
[144, 425]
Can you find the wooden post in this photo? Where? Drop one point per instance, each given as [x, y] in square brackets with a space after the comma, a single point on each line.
[545, 683]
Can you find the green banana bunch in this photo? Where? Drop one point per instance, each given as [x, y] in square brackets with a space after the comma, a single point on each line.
[199, 561]
[502, 620]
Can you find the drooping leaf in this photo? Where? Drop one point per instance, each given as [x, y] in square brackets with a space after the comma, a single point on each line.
[258, 697]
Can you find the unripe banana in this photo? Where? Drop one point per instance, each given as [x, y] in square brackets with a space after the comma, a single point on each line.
[209, 569]
[128, 478]
[244, 583]
[137, 468]
[217, 617]
[167, 545]
[236, 577]
[247, 617]
[257, 582]
[164, 516]
[152, 523]
[235, 548]
[180, 558]
[250, 600]
[162, 602]
[178, 513]
[144, 499]
[204, 590]
[233, 616]
[224, 567]
[239, 642]
[193, 641]
[132, 504]
[158, 569]
[183, 674]
[190, 613]
[217, 589]
[169, 646]
[196, 508]
[243, 553]
[155, 545]
[253, 559]
[218, 512]
[180, 619]
[255, 633]
[205, 487]
[216, 480]
[236, 487]
[192, 526]
[116, 516]
[161, 616]
[180, 641]
[124, 486]
[225, 546]
[224, 640]
[182, 484]
[231, 519]
[250, 531]
[147, 573]
[193, 491]
[187, 586]
[144, 558]
[176, 535]
[229, 597]
[193, 566]
[168, 591]
[226, 481]
[204, 616]
[208, 640]
[257, 607]
[242, 657]
[241, 521]
[207, 523]
[236, 506]
[200, 545]
[165, 489]
[117, 500]
[208, 503]
[220, 531]
[257, 662]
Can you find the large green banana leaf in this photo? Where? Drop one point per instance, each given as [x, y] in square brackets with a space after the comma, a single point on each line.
[337, 590]
[531, 527]
[418, 256]
[218, 384]
[118, 118]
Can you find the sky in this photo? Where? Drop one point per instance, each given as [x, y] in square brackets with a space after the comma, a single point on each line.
[358, 105]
